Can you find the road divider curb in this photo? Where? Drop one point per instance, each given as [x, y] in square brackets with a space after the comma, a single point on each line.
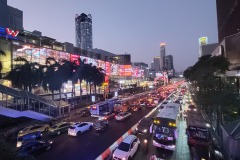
[107, 154]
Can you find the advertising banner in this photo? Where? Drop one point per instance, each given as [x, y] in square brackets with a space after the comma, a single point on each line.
[107, 68]
[125, 70]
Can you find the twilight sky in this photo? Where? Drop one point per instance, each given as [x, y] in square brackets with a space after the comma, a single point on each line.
[133, 26]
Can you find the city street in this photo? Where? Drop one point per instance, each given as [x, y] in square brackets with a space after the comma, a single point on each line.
[90, 145]
[182, 150]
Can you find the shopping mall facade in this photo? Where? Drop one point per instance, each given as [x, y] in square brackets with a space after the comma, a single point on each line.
[36, 48]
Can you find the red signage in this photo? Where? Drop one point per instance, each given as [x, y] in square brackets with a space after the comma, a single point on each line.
[12, 32]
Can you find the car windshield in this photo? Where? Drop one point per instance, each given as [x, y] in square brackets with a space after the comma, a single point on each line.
[144, 122]
[55, 126]
[72, 127]
[124, 146]
[25, 129]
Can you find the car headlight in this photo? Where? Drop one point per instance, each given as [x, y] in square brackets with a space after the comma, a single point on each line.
[171, 146]
[145, 141]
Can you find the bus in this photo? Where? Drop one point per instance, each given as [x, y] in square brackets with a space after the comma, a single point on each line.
[122, 105]
[165, 127]
[99, 108]
[197, 130]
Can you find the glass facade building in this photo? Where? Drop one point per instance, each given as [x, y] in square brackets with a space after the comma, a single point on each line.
[83, 26]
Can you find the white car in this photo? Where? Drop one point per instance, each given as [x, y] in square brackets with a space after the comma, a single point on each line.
[127, 148]
[122, 116]
[79, 128]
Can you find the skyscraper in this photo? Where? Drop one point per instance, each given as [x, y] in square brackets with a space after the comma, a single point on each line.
[228, 16]
[83, 25]
[10, 17]
[162, 55]
[156, 64]
[168, 62]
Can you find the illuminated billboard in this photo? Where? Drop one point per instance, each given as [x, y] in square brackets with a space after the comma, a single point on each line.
[125, 70]
[203, 40]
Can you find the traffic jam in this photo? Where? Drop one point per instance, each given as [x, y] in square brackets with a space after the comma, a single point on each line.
[159, 130]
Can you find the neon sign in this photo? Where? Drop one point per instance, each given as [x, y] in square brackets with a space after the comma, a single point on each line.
[8, 33]
[12, 32]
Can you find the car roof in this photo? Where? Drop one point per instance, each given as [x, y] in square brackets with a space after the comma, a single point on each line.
[129, 138]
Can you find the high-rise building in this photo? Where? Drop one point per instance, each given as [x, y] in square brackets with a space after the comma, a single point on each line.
[83, 26]
[169, 67]
[228, 16]
[156, 64]
[162, 55]
[168, 62]
[10, 17]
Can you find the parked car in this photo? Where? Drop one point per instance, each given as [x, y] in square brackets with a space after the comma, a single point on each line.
[33, 128]
[59, 128]
[79, 128]
[84, 113]
[22, 140]
[122, 116]
[127, 148]
[100, 125]
[34, 147]
[107, 116]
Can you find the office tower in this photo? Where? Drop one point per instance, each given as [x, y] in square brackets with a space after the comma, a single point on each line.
[162, 55]
[228, 18]
[156, 64]
[83, 26]
[168, 62]
[10, 17]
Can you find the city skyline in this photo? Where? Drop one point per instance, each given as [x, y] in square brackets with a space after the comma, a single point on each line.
[135, 28]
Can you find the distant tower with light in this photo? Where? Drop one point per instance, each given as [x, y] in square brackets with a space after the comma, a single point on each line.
[162, 56]
[83, 32]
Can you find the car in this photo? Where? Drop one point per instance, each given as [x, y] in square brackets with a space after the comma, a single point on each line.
[33, 128]
[84, 113]
[165, 102]
[127, 148]
[107, 116]
[177, 101]
[100, 125]
[22, 140]
[192, 107]
[34, 147]
[79, 128]
[122, 116]
[135, 107]
[59, 128]
[144, 126]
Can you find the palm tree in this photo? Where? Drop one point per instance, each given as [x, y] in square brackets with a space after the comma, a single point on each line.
[2, 53]
[78, 74]
[98, 76]
[25, 75]
[87, 75]
[52, 78]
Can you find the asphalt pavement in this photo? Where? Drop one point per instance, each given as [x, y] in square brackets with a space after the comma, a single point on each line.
[182, 151]
[90, 145]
